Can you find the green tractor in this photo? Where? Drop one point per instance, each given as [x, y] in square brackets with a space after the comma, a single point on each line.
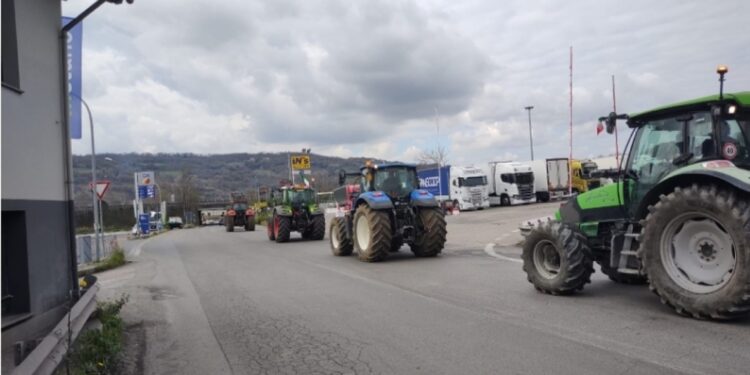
[295, 209]
[677, 219]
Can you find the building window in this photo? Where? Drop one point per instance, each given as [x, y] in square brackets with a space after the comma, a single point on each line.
[11, 78]
[15, 265]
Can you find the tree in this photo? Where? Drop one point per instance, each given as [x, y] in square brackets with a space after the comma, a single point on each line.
[438, 155]
[188, 196]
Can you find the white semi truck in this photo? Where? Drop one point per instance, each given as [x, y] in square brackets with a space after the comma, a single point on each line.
[510, 183]
[465, 187]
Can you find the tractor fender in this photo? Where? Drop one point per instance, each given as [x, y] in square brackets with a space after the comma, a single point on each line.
[422, 198]
[700, 176]
[279, 212]
[377, 200]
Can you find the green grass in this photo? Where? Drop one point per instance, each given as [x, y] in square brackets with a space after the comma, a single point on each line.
[97, 351]
[116, 259]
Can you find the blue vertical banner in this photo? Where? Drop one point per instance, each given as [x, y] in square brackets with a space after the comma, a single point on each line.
[73, 55]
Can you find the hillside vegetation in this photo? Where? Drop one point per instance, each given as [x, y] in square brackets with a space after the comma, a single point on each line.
[213, 176]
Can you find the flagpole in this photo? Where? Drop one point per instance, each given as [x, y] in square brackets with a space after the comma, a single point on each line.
[614, 109]
[570, 160]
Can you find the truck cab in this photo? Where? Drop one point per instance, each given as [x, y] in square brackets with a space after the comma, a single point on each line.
[469, 188]
[511, 183]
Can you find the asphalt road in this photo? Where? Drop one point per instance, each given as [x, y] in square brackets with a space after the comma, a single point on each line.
[203, 301]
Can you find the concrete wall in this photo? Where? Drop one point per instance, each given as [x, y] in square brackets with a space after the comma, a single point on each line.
[33, 171]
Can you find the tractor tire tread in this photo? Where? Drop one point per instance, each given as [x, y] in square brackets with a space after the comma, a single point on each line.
[578, 265]
[380, 237]
[434, 230]
[724, 204]
[338, 230]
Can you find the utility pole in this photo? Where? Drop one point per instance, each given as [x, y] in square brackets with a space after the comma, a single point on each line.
[94, 198]
[531, 139]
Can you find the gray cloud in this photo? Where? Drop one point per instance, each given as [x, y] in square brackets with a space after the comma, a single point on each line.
[352, 77]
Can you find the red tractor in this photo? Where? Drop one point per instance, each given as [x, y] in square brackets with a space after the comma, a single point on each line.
[239, 214]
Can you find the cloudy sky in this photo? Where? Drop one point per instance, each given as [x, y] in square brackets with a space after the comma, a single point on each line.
[374, 78]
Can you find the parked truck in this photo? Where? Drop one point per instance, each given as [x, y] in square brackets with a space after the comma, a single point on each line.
[510, 183]
[463, 187]
[551, 177]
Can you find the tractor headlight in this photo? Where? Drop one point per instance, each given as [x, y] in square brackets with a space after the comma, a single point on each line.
[732, 109]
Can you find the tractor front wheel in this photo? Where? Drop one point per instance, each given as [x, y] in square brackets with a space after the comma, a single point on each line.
[282, 228]
[695, 249]
[229, 223]
[340, 244]
[372, 234]
[557, 259]
[250, 223]
[270, 227]
[430, 234]
[318, 230]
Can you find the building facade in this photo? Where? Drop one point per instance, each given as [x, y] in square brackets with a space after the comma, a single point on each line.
[38, 264]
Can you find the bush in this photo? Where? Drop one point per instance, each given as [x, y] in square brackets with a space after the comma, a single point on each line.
[97, 351]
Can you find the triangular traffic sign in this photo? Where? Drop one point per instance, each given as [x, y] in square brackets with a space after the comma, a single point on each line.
[101, 188]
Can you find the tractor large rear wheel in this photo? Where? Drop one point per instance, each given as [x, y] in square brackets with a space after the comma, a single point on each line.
[229, 223]
[695, 249]
[557, 259]
[372, 234]
[431, 233]
[282, 228]
[250, 223]
[318, 230]
[340, 244]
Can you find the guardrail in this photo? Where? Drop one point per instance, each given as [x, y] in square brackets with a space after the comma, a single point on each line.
[48, 355]
[86, 247]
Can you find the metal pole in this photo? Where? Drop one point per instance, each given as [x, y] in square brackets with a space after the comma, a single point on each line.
[570, 159]
[94, 197]
[614, 109]
[531, 139]
[437, 151]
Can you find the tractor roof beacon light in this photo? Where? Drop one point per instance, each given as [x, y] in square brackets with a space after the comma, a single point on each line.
[721, 70]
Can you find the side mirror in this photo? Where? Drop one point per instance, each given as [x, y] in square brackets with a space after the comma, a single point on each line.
[611, 121]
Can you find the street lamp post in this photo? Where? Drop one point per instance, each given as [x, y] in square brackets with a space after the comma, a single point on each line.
[531, 139]
[94, 198]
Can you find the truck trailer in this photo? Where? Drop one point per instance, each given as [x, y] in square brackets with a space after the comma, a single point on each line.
[463, 187]
[510, 183]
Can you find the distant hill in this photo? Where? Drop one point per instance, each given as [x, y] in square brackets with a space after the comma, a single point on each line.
[215, 175]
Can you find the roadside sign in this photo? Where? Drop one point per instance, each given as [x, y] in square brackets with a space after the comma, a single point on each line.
[300, 162]
[143, 223]
[101, 188]
[145, 178]
[146, 191]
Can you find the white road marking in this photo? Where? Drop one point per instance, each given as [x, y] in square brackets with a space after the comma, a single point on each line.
[490, 250]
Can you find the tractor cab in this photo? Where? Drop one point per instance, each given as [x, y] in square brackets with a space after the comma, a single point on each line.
[396, 180]
[688, 134]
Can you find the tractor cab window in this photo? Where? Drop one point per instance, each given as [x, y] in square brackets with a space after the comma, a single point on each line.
[396, 182]
[301, 196]
[239, 206]
[657, 144]
[700, 137]
[733, 140]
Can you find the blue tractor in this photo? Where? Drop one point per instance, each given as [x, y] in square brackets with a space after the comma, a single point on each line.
[385, 210]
